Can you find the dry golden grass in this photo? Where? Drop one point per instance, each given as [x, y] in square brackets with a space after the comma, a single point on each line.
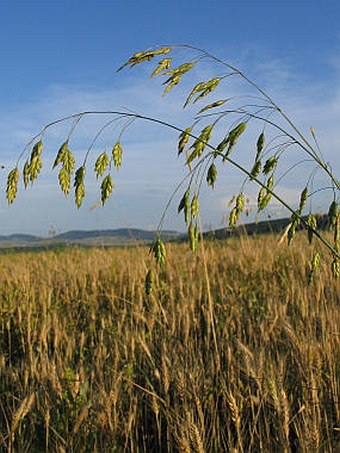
[232, 351]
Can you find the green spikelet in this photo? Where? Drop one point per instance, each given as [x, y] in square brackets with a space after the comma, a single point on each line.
[149, 282]
[161, 51]
[212, 175]
[148, 55]
[26, 173]
[35, 161]
[295, 221]
[231, 139]
[203, 88]
[208, 88]
[265, 201]
[185, 205]
[183, 139]
[236, 132]
[197, 88]
[175, 76]
[172, 82]
[194, 206]
[79, 185]
[270, 165]
[106, 188]
[101, 164]
[117, 154]
[233, 217]
[222, 145]
[64, 180]
[162, 66]
[159, 251]
[66, 158]
[332, 214]
[256, 170]
[236, 211]
[270, 182]
[61, 154]
[303, 200]
[240, 202]
[12, 185]
[35, 168]
[312, 225]
[260, 197]
[37, 149]
[260, 145]
[212, 105]
[180, 70]
[69, 162]
[315, 264]
[265, 196]
[193, 237]
[200, 143]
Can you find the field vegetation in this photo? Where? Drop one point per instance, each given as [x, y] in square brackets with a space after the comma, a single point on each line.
[232, 351]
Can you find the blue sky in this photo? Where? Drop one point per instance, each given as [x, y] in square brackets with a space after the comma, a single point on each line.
[59, 57]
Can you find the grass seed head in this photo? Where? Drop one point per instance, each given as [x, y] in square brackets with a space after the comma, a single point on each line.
[260, 145]
[256, 170]
[117, 154]
[264, 201]
[194, 206]
[212, 175]
[240, 202]
[208, 88]
[79, 185]
[233, 217]
[213, 105]
[162, 66]
[26, 173]
[332, 213]
[61, 154]
[200, 143]
[101, 164]
[303, 199]
[183, 139]
[185, 205]
[12, 185]
[159, 251]
[193, 236]
[64, 180]
[270, 165]
[270, 182]
[312, 225]
[106, 188]
[149, 282]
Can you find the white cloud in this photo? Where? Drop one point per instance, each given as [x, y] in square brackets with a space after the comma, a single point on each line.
[150, 169]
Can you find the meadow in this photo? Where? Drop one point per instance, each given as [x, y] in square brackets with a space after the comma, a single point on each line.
[232, 351]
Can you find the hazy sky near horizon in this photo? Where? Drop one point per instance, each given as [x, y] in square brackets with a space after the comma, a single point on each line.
[60, 58]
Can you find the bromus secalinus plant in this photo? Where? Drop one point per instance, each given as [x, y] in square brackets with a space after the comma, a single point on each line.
[203, 153]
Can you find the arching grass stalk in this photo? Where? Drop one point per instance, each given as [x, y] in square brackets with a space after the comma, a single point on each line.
[202, 155]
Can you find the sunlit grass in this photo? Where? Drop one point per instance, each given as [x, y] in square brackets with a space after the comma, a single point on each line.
[238, 355]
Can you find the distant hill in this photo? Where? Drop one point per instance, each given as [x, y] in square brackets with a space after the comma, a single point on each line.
[133, 236]
[131, 233]
[122, 236]
[19, 238]
[275, 226]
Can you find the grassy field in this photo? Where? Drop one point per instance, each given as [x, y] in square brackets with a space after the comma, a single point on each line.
[231, 352]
